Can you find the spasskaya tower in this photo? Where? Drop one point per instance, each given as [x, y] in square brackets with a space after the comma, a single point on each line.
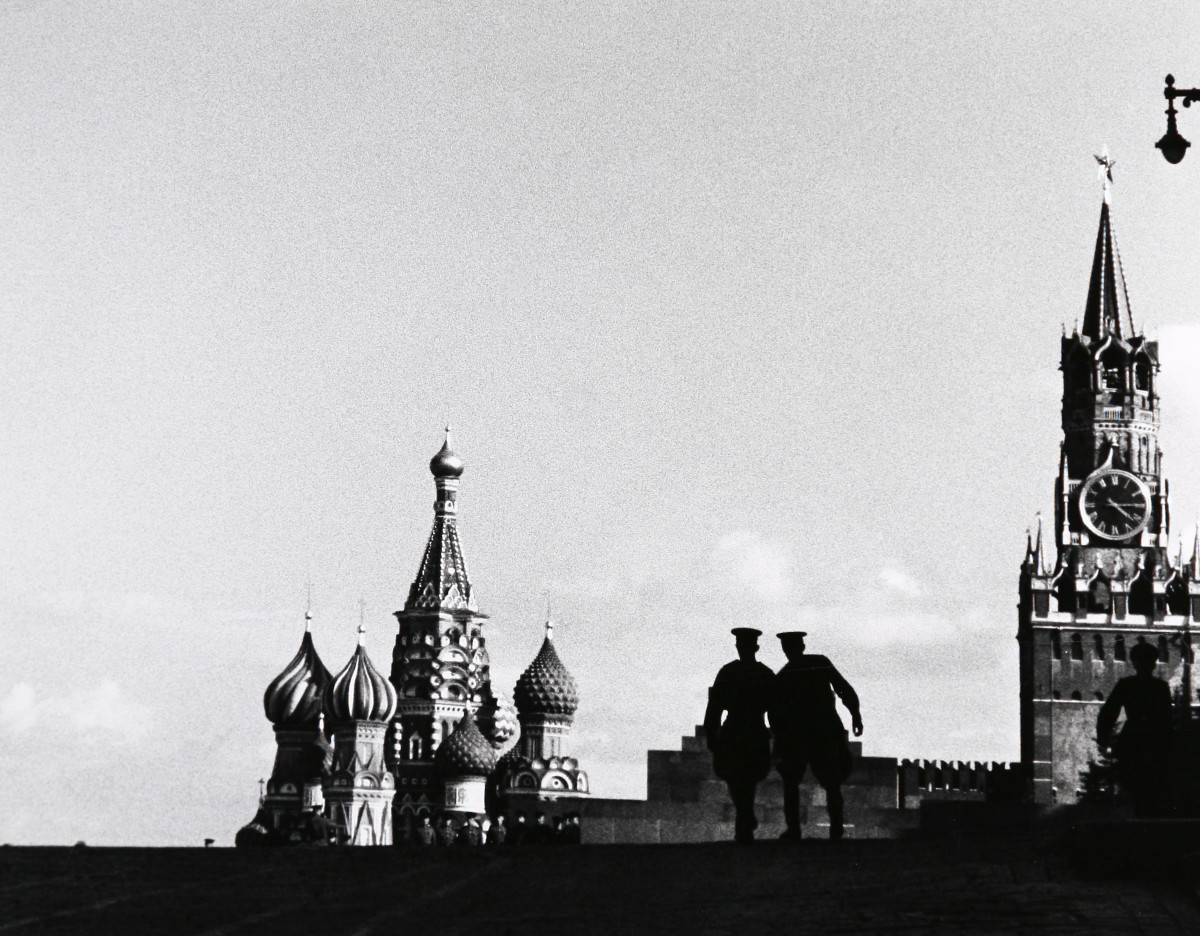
[1106, 581]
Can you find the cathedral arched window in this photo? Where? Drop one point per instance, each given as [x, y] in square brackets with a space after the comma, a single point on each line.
[1099, 641]
[1056, 645]
[1119, 648]
[1164, 651]
[414, 746]
[1076, 697]
[1141, 375]
[1112, 371]
[1076, 647]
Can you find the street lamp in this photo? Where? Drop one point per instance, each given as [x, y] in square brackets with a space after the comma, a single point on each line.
[1173, 146]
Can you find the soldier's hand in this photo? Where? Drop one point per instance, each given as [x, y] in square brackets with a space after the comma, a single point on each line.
[856, 724]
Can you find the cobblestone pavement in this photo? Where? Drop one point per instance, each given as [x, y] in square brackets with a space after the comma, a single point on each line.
[977, 886]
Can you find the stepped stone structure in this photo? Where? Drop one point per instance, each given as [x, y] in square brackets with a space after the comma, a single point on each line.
[885, 798]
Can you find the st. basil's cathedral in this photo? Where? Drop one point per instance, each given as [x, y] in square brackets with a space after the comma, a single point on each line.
[371, 754]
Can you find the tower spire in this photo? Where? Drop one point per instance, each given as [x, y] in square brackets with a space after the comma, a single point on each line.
[1107, 311]
[1039, 562]
[441, 580]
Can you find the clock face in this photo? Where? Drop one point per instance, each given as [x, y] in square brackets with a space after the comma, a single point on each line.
[1115, 505]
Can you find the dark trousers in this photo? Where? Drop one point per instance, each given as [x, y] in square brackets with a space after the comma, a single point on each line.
[742, 794]
[791, 805]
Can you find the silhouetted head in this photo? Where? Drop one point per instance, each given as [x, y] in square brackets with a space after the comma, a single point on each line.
[793, 643]
[746, 641]
[519, 817]
[1144, 658]
[540, 818]
[424, 820]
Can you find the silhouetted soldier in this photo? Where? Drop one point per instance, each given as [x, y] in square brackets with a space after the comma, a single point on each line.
[426, 835]
[469, 833]
[1142, 750]
[808, 731]
[518, 834]
[497, 833]
[741, 745]
[446, 833]
[539, 832]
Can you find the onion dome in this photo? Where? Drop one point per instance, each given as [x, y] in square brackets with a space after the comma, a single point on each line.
[294, 698]
[359, 692]
[466, 753]
[497, 720]
[446, 464]
[546, 688]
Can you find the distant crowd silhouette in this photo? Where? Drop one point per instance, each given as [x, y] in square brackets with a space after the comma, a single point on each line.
[798, 703]
[426, 830]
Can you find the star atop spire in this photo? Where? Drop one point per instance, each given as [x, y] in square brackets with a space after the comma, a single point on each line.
[1104, 170]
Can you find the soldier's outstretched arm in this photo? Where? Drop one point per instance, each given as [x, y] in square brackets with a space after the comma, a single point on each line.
[712, 715]
[849, 698]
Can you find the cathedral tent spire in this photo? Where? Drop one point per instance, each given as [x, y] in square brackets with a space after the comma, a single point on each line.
[1107, 311]
[441, 581]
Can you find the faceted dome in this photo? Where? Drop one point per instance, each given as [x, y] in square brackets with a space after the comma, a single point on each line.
[359, 692]
[446, 464]
[295, 696]
[497, 720]
[466, 753]
[546, 688]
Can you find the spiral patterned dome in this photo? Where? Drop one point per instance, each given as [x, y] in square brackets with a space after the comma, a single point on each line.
[295, 696]
[546, 688]
[497, 721]
[360, 692]
[466, 753]
[446, 464]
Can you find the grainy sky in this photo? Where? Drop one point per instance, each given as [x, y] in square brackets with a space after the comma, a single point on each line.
[743, 313]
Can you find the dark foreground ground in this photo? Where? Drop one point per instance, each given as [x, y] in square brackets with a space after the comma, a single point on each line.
[1021, 884]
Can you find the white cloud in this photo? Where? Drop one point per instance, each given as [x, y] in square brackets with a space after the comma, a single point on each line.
[17, 714]
[755, 565]
[102, 710]
[884, 627]
[898, 580]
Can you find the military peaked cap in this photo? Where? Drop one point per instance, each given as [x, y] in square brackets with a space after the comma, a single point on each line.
[785, 636]
[1144, 651]
[745, 632]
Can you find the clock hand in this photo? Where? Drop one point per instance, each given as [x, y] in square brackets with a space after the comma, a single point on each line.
[1123, 512]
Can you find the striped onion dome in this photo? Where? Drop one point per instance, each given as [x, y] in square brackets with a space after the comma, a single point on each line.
[466, 753]
[294, 698]
[359, 692]
[546, 688]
